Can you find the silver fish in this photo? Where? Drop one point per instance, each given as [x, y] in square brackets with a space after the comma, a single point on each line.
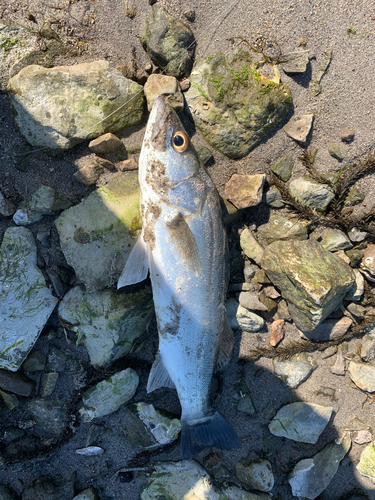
[183, 245]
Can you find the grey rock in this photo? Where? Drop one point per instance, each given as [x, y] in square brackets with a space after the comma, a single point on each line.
[330, 329]
[7, 207]
[26, 302]
[366, 465]
[311, 194]
[274, 198]
[11, 434]
[241, 318]
[105, 144]
[298, 128]
[88, 173]
[356, 310]
[250, 246]
[354, 197]
[356, 292]
[330, 351]
[335, 151]
[87, 494]
[339, 366]
[97, 235]
[368, 348]
[283, 168]
[107, 396]
[295, 62]
[220, 471]
[245, 190]
[35, 361]
[248, 272]
[107, 323]
[167, 86]
[283, 310]
[204, 153]
[48, 488]
[312, 475]
[78, 99]
[242, 397]
[48, 383]
[173, 480]
[250, 300]
[334, 240]
[315, 85]
[283, 228]
[56, 360]
[295, 370]
[301, 422]
[44, 201]
[362, 437]
[312, 280]
[355, 255]
[356, 235]
[50, 415]
[233, 104]
[169, 42]
[11, 401]
[257, 474]
[363, 375]
[17, 383]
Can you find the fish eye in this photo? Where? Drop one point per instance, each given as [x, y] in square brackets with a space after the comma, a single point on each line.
[180, 141]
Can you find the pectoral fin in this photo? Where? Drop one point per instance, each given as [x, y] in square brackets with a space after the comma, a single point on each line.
[159, 377]
[185, 242]
[136, 267]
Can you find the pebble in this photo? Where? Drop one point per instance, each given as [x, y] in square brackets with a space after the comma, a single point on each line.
[362, 437]
[16, 383]
[190, 15]
[205, 155]
[241, 318]
[356, 235]
[185, 84]
[335, 151]
[339, 366]
[295, 62]
[130, 164]
[363, 375]
[250, 246]
[277, 332]
[88, 173]
[35, 361]
[245, 190]
[295, 370]
[257, 474]
[56, 360]
[311, 194]
[347, 135]
[87, 494]
[90, 451]
[330, 351]
[11, 401]
[248, 272]
[242, 397]
[251, 301]
[298, 128]
[48, 383]
[50, 415]
[274, 198]
[105, 144]
[334, 240]
[271, 292]
[356, 310]
[283, 310]
[329, 329]
[7, 207]
[283, 167]
[354, 197]
[103, 162]
[168, 86]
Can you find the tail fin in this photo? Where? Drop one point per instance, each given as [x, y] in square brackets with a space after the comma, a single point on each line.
[211, 431]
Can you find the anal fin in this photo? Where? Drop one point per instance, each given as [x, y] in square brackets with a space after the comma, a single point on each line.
[159, 377]
[136, 267]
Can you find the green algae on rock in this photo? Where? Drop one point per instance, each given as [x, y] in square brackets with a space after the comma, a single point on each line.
[366, 465]
[233, 104]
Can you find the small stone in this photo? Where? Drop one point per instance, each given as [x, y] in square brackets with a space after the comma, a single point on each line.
[311, 194]
[362, 437]
[366, 465]
[334, 240]
[270, 304]
[335, 151]
[87, 494]
[245, 190]
[56, 360]
[298, 128]
[7, 207]
[277, 332]
[205, 155]
[338, 368]
[301, 422]
[249, 300]
[229, 211]
[354, 197]
[356, 310]
[248, 272]
[274, 198]
[190, 15]
[329, 329]
[356, 235]
[17, 383]
[355, 255]
[242, 396]
[342, 256]
[367, 349]
[347, 135]
[105, 163]
[89, 173]
[185, 85]
[283, 311]
[130, 164]
[35, 361]
[241, 287]
[49, 414]
[295, 370]
[250, 246]
[47, 383]
[284, 228]
[168, 86]
[363, 375]
[261, 277]
[283, 168]
[105, 144]
[330, 351]
[11, 401]
[295, 62]
[271, 292]
[257, 474]
[241, 318]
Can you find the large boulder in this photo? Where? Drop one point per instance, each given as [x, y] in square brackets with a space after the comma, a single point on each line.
[233, 104]
[57, 108]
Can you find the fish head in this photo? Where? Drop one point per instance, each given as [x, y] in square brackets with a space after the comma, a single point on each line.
[167, 156]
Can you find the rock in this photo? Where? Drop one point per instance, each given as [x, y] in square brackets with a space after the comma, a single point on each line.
[173, 480]
[7, 207]
[89, 173]
[363, 375]
[301, 422]
[242, 397]
[330, 351]
[35, 361]
[295, 62]
[190, 15]
[270, 304]
[205, 155]
[257, 474]
[105, 144]
[277, 332]
[339, 366]
[245, 190]
[282, 311]
[283, 228]
[44, 201]
[48, 383]
[368, 348]
[108, 165]
[356, 310]
[107, 396]
[242, 319]
[315, 85]
[250, 300]
[261, 278]
[342, 256]
[169, 42]
[295, 370]
[11, 401]
[274, 198]
[330, 329]
[355, 256]
[87, 494]
[167, 86]
[334, 240]
[335, 151]
[271, 292]
[50, 415]
[185, 84]
[26, 302]
[356, 235]
[312, 475]
[151, 429]
[126, 165]
[347, 135]
[17, 383]
[366, 465]
[362, 437]
[78, 99]
[311, 194]
[298, 128]
[48, 488]
[234, 106]
[354, 197]
[248, 272]
[283, 168]
[250, 246]
[97, 235]
[312, 280]
[56, 360]
[107, 323]
[90, 451]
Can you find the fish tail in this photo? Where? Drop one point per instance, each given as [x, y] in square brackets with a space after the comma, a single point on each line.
[209, 431]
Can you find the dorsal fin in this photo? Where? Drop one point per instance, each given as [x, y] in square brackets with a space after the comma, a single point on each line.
[185, 242]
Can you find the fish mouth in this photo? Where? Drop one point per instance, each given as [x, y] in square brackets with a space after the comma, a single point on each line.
[162, 113]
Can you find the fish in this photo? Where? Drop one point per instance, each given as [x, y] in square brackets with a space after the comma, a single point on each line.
[368, 263]
[184, 248]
